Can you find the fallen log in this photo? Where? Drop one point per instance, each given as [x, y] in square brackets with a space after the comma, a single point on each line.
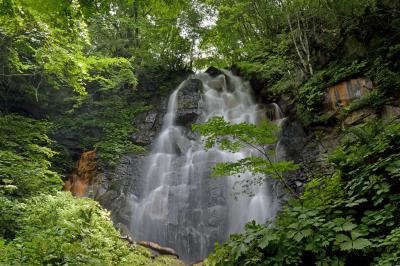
[157, 248]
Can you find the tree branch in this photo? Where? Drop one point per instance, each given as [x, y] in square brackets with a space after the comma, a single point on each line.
[265, 154]
[37, 88]
[17, 74]
[295, 44]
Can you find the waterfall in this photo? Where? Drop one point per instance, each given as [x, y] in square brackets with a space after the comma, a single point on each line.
[181, 206]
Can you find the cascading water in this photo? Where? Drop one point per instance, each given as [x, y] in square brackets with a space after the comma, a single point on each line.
[181, 206]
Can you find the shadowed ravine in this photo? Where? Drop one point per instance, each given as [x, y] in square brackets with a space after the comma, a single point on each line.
[181, 206]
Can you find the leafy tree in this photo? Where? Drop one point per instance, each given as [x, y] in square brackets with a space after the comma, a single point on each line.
[233, 137]
[43, 47]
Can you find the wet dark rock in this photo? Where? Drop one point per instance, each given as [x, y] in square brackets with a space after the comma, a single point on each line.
[292, 139]
[309, 149]
[223, 80]
[213, 71]
[189, 96]
[117, 186]
[148, 125]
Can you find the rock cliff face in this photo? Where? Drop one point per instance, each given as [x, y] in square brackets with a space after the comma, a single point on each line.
[308, 149]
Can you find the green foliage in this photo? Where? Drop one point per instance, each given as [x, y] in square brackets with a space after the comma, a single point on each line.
[10, 211]
[271, 63]
[59, 229]
[217, 130]
[233, 137]
[351, 218]
[81, 56]
[117, 131]
[149, 31]
[25, 157]
[110, 73]
[43, 48]
[311, 94]
[107, 127]
[386, 75]
[372, 100]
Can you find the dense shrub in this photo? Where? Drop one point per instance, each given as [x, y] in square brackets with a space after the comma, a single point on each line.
[350, 218]
[25, 157]
[62, 230]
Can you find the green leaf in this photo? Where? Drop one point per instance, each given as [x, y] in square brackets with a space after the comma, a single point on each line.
[361, 243]
[266, 239]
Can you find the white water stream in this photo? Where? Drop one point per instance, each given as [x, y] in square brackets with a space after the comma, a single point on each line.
[182, 207]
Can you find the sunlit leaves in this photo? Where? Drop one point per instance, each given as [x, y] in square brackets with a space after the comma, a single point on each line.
[60, 229]
[25, 158]
[110, 73]
[233, 138]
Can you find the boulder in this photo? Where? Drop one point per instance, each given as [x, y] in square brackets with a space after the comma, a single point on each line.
[213, 71]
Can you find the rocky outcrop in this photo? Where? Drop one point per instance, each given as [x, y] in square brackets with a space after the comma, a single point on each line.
[189, 96]
[86, 173]
[359, 116]
[341, 94]
[118, 185]
[148, 124]
[309, 149]
[223, 81]
[114, 187]
[390, 111]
